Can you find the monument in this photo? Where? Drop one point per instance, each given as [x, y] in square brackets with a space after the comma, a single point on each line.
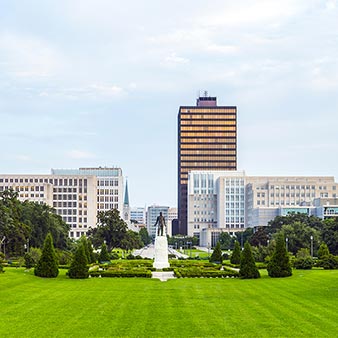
[161, 244]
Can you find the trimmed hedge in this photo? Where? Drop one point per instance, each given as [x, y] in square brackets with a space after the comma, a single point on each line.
[122, 273]
[195, 272]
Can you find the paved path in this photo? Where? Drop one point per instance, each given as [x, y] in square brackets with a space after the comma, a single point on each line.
[149, 252]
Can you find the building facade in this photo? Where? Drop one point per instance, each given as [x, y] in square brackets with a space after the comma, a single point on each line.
[76, 195]
[231, 201]
[207, 140]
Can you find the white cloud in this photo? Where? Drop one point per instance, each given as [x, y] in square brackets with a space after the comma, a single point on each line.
[79, 154]
[174, 59]
[27, 56]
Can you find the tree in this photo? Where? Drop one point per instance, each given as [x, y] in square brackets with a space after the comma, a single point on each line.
[299, 236]
[48, 264]
[235, 258]
[323, 251]
[104, 255]
[84, 242]
[276, 224]
[260, 237]
[92, 255]
[279, 265]
[111, 228]
[248, 267]
[225, 240]
[216, 256]
[243, 236]
[131, 240]
[146, 239]
[79, 268]
[330, 235]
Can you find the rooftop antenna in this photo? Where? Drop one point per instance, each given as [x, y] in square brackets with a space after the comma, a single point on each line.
[205, 93]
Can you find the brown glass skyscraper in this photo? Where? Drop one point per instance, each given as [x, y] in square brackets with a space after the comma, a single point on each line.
[207, 140]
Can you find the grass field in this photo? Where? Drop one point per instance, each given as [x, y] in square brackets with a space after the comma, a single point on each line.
[304, 305]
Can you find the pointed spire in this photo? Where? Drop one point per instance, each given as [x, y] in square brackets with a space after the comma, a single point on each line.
[126, 195]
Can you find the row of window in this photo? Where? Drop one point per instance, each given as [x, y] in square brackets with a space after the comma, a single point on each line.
[55, 181]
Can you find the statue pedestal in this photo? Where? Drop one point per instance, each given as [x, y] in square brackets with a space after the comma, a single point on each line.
[161, 253]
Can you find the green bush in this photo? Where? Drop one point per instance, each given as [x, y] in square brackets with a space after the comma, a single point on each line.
[323, 251]
[104, 255]
[78, 268]
[194, 272]
[29, 261]
[248, 268]
[114, 255]
[127, 273]
[47, 265]
[303, 263]
[279, 264]
[235, 258]
[216, 255]
[1, 268]
[329, 262]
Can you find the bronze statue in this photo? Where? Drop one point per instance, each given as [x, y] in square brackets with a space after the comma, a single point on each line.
[161, 224]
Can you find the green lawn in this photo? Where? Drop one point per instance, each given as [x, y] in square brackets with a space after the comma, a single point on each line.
[304, 305]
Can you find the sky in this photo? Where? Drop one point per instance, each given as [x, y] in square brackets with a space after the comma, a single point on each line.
[99, 83]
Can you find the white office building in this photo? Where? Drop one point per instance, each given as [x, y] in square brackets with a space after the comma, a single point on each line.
[231, 201]
[77, 195]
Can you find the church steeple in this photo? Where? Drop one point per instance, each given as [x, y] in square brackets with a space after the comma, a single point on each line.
[126, 196]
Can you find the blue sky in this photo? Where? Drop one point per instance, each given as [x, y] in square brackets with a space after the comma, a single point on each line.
[99, 83]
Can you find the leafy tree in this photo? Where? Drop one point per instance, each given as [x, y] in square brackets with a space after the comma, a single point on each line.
[216, 256]
[323, 251]
[329, 262]
[279, 265]
[248, 267]
[111, 228]
[146, 239]
[260, 237]
[330, 235]
[299, 236]
[131, 240]
[277, 223]
[243, 236]
[236, 254]
[79, 268]
[225, 240]
[104, 255]
[47, 265]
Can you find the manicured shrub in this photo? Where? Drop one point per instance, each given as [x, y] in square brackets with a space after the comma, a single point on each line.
[248, 268]
[79, 268]
[104, 255]
[216, 256]
[303, 260]
[114, 255]
[279, 264]
[29, 261]
[1, 268]
[329, 262]
[323, 251]
[47, 265]
[235, 258]
[122, 273]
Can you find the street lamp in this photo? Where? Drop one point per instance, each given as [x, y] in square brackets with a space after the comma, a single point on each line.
[287, 246]
[311, 237]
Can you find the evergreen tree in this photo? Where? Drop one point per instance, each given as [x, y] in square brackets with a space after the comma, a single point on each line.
[216, 256]
[48, 263]
[236, 254]
[83, 240]
[79, 268]
[91, 251]
[248, 267]
[104, 255]
[279, 265]
[323, 251]
[29, 261]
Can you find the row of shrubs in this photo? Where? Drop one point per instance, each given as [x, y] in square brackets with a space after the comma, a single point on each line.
[121, 273]
[328, 262]
[202, 273]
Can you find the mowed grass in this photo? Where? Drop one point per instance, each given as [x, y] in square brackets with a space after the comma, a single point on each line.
[304, 305]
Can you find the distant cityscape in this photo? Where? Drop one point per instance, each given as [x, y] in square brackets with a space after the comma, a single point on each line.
[213, 196]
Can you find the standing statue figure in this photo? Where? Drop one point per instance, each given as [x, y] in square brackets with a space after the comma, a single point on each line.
[161, 224]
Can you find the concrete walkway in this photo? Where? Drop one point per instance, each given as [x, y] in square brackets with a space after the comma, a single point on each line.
[163, 276]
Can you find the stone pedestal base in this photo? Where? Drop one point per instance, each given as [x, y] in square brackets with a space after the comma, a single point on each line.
[161, 253]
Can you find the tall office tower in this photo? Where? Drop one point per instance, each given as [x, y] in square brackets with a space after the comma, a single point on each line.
[207, 140]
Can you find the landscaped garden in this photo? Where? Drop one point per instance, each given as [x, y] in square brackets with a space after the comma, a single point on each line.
[304, 305]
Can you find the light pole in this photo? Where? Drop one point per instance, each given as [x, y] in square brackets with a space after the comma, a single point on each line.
[287, 244]
[311, 237]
